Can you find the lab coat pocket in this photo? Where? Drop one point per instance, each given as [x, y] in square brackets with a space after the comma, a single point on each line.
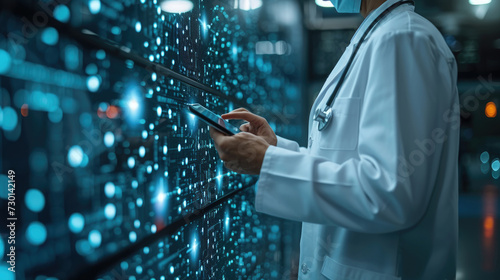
[334, 270]
[342, 133]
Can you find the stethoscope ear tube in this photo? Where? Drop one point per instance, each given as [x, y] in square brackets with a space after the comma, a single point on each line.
[323, 117]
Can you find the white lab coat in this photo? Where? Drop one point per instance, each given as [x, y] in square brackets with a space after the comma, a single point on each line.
[377, 190]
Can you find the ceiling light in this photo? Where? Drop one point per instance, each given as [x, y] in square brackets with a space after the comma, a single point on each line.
[176, 6]
[479, 2]
[324, 3]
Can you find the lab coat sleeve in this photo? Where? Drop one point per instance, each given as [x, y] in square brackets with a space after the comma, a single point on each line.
[289, 144]
[375, 193]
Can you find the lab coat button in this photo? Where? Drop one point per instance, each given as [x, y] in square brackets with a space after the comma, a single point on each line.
[305, 269]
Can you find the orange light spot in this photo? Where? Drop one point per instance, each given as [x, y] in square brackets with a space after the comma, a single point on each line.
[112, 112]
[491, 110]
[489, 222]
[24, 110]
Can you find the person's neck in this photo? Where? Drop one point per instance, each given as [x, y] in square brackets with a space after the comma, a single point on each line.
[368, 6]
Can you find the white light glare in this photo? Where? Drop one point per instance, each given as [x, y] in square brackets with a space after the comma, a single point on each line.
[324, 3]
[247, 5]
[133, 105]
[475, 2]
[176, 6]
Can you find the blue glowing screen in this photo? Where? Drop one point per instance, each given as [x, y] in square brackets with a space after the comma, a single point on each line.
[115, 178]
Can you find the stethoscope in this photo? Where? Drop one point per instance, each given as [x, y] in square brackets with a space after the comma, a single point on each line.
[325, 116]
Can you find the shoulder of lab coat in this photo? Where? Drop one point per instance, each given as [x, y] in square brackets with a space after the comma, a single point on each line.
[409, 86]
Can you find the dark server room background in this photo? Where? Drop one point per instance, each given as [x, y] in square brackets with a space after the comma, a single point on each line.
[115, 179]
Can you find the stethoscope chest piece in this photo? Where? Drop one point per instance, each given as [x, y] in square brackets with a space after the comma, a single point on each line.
[323, 117]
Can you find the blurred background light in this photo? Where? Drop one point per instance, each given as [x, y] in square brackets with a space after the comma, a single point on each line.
[324, 3]
[247, 5]
[491, 110]
[176, 6]
[479, 2]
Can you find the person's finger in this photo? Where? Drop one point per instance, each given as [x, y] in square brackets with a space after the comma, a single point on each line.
[245, 127]
[247, 116]
[216, 135]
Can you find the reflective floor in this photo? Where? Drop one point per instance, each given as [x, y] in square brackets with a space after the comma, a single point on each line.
[479, 234]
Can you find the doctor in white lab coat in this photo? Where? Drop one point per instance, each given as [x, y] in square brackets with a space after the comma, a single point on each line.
[377, 189]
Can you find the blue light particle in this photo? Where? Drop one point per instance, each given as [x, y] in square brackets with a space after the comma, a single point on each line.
[36, 233]
[131, 162]
[485, 157]
[495, 165]
[75, 156]
[109, 189]
[142, 151]
[5, 274]
[76, 223]
[159, 111]
[138, 26]
[93, 83]
[110, 211]
[62, 13]
[6, 61]
[34, 200]
[50, 36]
[109, 139]
[132, 236]
[94, 6]
[95, 238]
[9, 118]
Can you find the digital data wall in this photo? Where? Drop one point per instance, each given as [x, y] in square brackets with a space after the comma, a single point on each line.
[110, 175]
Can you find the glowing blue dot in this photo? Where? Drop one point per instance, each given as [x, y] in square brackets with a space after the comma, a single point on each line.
[151, 57]
[153, 228]
[158, 111]
[485, 157]
[2, 247]
[171, 270]
[151, 126]
[165, 149]
[138, 26]
[75, 156]
[149, 169]
[56, 116]
[94, 6]
[109, 189]
[137, 223]
[146, 250]
[142, 151]
[93, 83]
[135, 184]
[62, 13]
[131, 162]
[5, 274]
[34, 199]
[36, 233]
[110, 211]
[179, 148]
[100, 54]
[109, 139]
[144, 134]
[6, 61]
[153, 77]
[139, 202]
[138, 269]
[95, 238]
[50, 36]
[116, 30]
[132, 236]
[76, 223]
[495, 165]
[9, 118]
